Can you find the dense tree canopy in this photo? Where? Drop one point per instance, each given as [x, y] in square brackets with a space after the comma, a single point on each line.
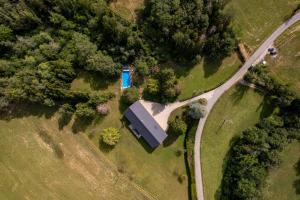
[162, 86]
[190, 26]
[177, 126]
[44, 44]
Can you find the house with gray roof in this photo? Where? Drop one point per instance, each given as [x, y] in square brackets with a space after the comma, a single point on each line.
[143, 125]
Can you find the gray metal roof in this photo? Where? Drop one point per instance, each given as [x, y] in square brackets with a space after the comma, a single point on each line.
[145, 124]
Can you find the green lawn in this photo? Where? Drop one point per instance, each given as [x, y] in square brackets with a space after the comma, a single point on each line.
[257, 19]
[206, 75]
[254, 21]
[283, 183]
[54, 164]
[286, 67]
[236, 110]
[157, 171]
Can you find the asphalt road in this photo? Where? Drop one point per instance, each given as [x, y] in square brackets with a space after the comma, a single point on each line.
[217, 93]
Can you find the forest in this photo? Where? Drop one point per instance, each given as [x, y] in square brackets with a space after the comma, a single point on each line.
[44, 44]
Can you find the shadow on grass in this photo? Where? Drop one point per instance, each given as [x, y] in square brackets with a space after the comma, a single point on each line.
[64, 120]
[122, 106]
[105, 148]
[211, 66]
[95, 82]
[218, 193]
[80, 125]
[297, 182]
[170, 139]
[50, 141]
[266, 108]
[26, 110]
[239, 93]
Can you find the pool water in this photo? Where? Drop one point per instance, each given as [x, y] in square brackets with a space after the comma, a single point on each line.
[126, 82]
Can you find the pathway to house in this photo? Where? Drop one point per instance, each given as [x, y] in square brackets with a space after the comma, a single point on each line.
[161, 112]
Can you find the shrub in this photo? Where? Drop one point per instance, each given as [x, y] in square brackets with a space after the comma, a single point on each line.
[130, 95]
[181, 178]
[152, 88]
[97, 99]
[83, 110]
[103, 109]
[196, 111]
[4, 103]
[203, 101]
[177, 126]
[111, 136]
[5, 33]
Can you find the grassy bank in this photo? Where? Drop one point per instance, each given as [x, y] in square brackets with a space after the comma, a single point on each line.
[283, 182]
[206, 75]
[236, 110]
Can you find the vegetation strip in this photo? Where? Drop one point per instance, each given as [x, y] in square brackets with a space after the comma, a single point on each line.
[255, 152]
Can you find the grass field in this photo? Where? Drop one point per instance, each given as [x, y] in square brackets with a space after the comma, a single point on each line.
[206, 75]
[286, 67]
[37, 161]
[283, 183]
[157, 171]
[256, 19]
[237, 109]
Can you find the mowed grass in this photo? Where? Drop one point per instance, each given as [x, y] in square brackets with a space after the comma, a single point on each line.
[38, 161]
[286, 67]
[206, 75]
[283, 183]
[238, 109]
[155, 171]
[255, 20]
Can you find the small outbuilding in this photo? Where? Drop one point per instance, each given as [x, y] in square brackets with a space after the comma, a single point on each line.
[144, 125]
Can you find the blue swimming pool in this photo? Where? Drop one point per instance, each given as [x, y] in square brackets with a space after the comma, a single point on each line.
[126, 82]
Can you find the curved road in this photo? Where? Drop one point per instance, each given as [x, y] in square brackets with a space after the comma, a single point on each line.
[161, 112]
[257, 56]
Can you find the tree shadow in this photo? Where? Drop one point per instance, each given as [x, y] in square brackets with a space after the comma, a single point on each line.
[26, 110]
[80, 125]
[239, 93]
[218, 193]
[50, 141]
[266, 108]
[211, 66]
[122, 106]
[105, 148]
[64, 120]
[170, 139]
[296, 183]
[96, 81]
[297, 186]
